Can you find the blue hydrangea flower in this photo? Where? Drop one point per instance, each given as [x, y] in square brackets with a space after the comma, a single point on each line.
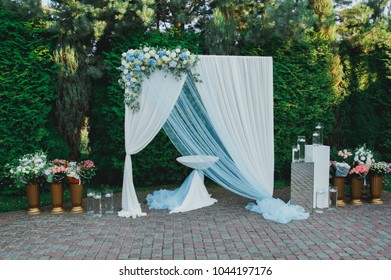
[132, 85]
[183, 56]
[128, 76]
[152, 62]
[122, 68]
[137, 68]
[141, 57]
[129, 57]
[161, 53]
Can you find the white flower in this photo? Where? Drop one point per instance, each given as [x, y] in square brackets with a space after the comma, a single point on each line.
[152, 52]
[173, 54]
[147, 56]
[178, 50]
[126, 71]
[157, 57]
[168, 53]
[187, 53]
[146, 49]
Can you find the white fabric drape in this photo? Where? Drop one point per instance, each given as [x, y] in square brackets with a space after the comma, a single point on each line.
[159, 95]
[190, 130]
[190, 196]
[237, 93]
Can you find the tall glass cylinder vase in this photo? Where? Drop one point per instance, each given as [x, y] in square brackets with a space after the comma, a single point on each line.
[319, 132]
[109, 201]
[301, 147]
[97, 204]
[90, 201]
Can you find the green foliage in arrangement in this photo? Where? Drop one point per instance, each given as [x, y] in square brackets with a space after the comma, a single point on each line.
[26, 88]
[156, 163]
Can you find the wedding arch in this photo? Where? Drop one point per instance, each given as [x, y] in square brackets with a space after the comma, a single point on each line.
[222, 106]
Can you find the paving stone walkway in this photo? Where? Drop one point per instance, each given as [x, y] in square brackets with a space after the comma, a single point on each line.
[223, 231]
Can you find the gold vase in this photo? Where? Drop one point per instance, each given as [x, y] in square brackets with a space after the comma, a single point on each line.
[356, 185]
[339, 183]
[57, 194]
[376, 186]
[76, 198]
[33, 199]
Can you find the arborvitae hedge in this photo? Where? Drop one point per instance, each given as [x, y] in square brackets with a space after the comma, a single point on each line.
[26, 89]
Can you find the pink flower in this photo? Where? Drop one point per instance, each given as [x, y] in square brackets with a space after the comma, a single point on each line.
[359, 169]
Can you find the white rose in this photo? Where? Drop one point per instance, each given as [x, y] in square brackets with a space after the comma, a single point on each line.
[123, 62]
[187, 53]
[123, 54]
[156, 57]
[173, 54]
[142, 68]
[147, 55]
[168, 53]
[126, 71]
[178, 50]
[152, 52]
[146, 49]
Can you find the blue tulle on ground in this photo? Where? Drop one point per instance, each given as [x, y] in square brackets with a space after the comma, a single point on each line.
[277, 210]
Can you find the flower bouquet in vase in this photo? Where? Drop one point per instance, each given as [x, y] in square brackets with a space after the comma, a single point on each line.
[376, 176]
[55, 174]
[79, 173]
[340, 169]
[28, 171]
[357, 175]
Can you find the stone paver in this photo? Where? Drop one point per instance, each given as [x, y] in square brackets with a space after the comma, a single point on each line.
[225, 230]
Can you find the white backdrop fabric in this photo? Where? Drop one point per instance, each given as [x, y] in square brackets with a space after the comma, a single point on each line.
[237, 93]
[159, 95]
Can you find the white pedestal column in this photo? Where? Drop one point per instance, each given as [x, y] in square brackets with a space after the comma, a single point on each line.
[320, 156]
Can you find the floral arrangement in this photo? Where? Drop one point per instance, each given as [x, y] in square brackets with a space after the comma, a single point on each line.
[359, 170]
[341, 169]
[139, 63]
[345, 154]
[83, 170]
[29, 169]
[380, 168]
[56, 171]
[363, 155]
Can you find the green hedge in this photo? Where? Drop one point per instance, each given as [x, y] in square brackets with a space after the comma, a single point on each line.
[26, 90]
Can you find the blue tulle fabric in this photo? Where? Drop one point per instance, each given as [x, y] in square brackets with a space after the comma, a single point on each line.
[277, 210]
[170, 199]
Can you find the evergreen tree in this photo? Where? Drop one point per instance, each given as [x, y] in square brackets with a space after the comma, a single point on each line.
[84, 30]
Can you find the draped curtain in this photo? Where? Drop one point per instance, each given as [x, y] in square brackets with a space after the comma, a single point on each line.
[159, 95]
[237, 93]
